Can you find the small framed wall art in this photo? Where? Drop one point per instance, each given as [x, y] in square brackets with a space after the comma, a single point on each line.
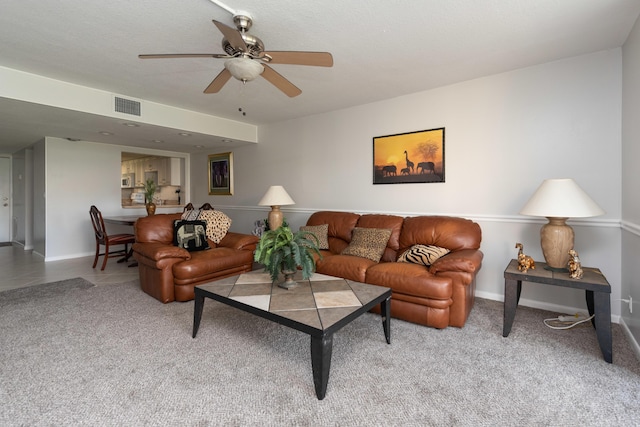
[221, 174]
[408, 158]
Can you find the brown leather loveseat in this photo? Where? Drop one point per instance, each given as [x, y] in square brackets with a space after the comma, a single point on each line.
[440, 295]
[169, 273]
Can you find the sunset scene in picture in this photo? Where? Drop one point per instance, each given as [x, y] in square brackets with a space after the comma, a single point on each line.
[409, 158]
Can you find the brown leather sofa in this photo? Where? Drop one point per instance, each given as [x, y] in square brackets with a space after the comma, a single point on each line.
[169, 273]
[440, 295]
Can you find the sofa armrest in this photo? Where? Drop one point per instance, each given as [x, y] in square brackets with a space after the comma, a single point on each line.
[465, 260]
[157, 251]
[239, 241]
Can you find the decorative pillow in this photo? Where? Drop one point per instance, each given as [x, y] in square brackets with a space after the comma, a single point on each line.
[190, 235]
[217, 224]
[368, 243]
[321, 232]
[191, 215]
[423, 254]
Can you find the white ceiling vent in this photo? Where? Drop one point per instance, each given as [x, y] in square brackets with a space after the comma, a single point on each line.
[127, 106]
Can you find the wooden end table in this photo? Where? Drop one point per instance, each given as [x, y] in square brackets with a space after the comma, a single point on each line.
[597, 289]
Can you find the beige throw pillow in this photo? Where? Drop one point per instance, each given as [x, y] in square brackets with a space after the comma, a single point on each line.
[321, 232]
[368, 243]
[423, 254]
[217, 224]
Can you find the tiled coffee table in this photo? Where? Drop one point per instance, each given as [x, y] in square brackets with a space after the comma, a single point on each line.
[319, 307]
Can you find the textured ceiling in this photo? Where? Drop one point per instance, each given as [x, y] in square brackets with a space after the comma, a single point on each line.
[381, 48]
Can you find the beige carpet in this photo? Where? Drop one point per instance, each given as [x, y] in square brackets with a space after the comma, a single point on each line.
[74, 354]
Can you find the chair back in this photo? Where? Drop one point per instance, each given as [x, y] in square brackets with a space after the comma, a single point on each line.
[98, 224]
[205, 207]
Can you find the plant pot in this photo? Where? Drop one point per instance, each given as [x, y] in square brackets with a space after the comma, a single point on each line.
[288, 279]
[151, 208]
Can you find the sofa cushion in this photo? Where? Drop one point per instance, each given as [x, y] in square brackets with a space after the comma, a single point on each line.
[340, 226]
[345, 266]
[368, 243]
[423, 254]
[156, 228]
[207, 265]
[190, 235]
[412, 280]
[321, 233]
[447, 232]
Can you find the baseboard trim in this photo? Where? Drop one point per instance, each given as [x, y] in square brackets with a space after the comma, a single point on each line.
[630, 338]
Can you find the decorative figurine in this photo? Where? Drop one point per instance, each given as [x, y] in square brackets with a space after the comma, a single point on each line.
[575, 267]
[525, 262]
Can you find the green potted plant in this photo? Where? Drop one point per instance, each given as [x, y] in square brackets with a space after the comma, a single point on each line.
[282, 250]
[149, 192]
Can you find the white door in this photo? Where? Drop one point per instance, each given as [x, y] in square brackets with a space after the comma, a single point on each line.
[5, 199]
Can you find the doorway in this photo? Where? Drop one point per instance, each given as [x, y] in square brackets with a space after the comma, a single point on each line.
[5, 201]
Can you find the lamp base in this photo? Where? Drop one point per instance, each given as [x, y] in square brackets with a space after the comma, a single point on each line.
[556, 239]
[275, 218]
[556, 270]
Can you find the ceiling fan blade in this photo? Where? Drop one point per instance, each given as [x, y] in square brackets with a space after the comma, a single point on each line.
[280, 82]
[316, 59]
[184, 55]
[232, 35]
[217, 83]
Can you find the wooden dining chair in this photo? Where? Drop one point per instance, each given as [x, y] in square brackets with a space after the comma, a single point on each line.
[204, 207]
[102, 238]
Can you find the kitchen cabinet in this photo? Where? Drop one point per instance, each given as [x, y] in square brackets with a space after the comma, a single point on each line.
[139, 171]
[175, 170]
[127, 167]
[170, 171]
[150, 164]
[163, 177]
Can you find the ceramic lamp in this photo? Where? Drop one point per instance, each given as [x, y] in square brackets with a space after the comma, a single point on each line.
[275, 197]
[559, 200]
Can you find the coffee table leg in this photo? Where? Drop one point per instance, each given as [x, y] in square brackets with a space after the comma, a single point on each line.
[197, 312]
[512, 289]
[321, 348]
[385, 311]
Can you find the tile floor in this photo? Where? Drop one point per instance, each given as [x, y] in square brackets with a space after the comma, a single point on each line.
[19, 268]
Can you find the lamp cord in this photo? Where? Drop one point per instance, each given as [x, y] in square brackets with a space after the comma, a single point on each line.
[564, 322]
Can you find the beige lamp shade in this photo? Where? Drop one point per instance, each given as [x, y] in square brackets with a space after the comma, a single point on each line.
[558, 200]
[275, 197]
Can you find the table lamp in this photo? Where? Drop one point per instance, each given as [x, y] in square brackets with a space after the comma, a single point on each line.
[559, 200]
[275, 197]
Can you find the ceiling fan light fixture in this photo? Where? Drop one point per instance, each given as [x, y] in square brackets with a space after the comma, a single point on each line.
[243, 69]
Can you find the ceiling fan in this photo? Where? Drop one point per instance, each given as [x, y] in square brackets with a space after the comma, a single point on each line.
[246, 58]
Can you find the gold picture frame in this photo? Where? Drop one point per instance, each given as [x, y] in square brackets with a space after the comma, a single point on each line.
[221, 174]
[409, 158]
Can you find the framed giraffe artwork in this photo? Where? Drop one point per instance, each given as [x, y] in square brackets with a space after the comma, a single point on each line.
[221, 174]
[409, 158]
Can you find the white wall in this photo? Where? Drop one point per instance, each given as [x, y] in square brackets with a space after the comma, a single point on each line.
[39, 202]
[505, 134]
[630, 179]
[78, 175]
[18, 197]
